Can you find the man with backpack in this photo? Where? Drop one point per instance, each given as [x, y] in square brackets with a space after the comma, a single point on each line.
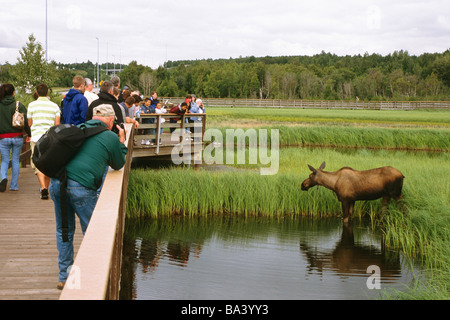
[84, 174]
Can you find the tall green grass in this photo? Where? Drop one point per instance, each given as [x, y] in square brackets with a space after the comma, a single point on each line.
[357, 137]
[418, 129]
[427, 118]
[188, 192]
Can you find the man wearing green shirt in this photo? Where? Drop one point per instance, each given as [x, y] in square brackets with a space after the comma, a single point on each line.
[84, 175]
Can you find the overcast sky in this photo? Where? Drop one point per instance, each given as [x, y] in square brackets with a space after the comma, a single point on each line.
[152, 32]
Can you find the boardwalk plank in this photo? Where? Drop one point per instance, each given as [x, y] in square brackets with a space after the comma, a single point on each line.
[28, 254]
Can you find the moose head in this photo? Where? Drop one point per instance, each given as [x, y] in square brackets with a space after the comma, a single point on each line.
[314, 177]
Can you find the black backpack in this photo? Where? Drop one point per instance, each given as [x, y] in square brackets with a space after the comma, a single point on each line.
[53, 152]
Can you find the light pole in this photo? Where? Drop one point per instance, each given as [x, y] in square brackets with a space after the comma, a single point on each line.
[46, 32]
[98, 60]
[107, 49]
[114, 68]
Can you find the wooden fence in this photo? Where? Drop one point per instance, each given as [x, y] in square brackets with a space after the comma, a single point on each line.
[317, 104]
[165, 144]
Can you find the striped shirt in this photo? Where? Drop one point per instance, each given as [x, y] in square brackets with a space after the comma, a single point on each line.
[43, 113]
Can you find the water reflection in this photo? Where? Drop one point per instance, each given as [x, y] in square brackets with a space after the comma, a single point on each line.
[238, 258]
[151, 252]
[350, 258]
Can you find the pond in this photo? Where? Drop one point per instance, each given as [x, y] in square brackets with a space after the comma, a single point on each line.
[234, 258]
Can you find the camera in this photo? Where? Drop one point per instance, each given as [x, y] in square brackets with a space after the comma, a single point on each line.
[114, 128]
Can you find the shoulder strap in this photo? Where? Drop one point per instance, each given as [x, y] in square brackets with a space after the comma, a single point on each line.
[92, 131]
[89, 132]
[63, 204]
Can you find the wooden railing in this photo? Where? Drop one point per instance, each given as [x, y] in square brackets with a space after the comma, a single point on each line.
[95, 274]
[197, 128]
[318, 104]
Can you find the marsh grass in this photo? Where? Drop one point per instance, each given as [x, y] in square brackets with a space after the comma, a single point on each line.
[187, 192]
[171, 191]
[380, 118]
[356, 137]
[408, 130]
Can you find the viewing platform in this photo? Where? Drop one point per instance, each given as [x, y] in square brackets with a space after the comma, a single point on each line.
[183, 132]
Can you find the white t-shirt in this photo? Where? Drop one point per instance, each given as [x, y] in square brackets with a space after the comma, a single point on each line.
[43, 113]
[161, 111]
[90, 96]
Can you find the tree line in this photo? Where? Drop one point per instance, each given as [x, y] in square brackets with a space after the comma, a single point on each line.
[372, 77]
[397, 76]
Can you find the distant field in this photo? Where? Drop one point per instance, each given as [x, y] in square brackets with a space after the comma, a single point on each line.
[407, 130]
[235, 117]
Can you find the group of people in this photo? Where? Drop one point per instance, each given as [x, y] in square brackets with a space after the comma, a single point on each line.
[86, 171]
[153, 106]
[127, 104]
[111, 108]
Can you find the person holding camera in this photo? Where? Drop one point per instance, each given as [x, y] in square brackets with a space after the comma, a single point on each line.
[106, 97]
[85, 174]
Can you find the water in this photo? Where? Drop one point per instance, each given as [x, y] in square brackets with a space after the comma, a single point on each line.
[257, 258]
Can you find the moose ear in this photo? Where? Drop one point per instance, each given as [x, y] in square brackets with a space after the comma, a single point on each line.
[322, 166]
[312, 169]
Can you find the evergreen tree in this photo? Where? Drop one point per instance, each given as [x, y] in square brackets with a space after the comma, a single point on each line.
[32, 68]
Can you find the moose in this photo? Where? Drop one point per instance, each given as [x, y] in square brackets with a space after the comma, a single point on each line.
[352, 185]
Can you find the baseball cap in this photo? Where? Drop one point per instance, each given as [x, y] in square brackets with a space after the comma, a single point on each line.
[104, 110]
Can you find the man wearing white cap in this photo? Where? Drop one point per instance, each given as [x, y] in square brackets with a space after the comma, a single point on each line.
[84, 176]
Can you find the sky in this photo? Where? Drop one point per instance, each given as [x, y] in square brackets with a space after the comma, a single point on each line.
[152, 32]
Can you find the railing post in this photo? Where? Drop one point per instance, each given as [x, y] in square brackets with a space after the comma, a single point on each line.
[183, 127]
[158, 129]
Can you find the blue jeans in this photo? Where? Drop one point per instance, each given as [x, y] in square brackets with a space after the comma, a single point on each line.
[5, 148]
[80, 201]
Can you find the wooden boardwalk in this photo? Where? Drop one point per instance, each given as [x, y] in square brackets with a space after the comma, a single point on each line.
[28, 254]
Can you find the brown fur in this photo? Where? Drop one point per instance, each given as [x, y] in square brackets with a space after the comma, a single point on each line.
[351, 185]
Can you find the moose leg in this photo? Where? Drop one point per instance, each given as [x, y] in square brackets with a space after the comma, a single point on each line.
[384, 204]
[345, 210]
[351, 205]
[399, 200]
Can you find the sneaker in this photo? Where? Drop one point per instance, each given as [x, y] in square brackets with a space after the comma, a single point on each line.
[148, 143]
[3, 185]
[44, 194]
[143, 141]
